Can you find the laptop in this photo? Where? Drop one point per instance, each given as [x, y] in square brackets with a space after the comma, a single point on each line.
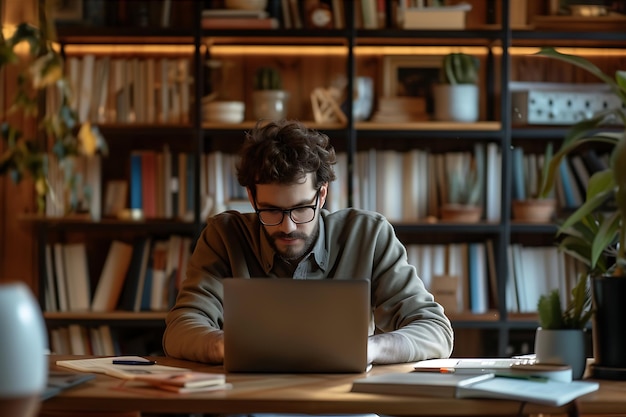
[281, 325]
[473, 365]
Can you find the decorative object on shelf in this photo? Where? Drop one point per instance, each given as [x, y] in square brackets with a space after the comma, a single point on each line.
[410, 76]
[558, 103]
[23, 347]
[325, 105]
[527, 205]
[363, 98]
[561, 337]
[456, 95]
[596, 232]
[246, 4]
[223, 111]
[26, 156]
[465, 184]
[439, 17]
[269, 99]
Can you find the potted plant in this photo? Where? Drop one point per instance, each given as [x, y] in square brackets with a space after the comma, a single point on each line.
[268, 98]
[560, 337]
[456, 96]
[596, 231]
[528, 205]
[465, 182]
[27, 157]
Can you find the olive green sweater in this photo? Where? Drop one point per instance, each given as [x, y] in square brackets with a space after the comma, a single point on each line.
[351, 244]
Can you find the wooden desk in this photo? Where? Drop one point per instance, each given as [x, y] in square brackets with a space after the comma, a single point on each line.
[305, 393]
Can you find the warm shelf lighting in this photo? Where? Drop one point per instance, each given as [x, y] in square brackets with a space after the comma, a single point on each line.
[129, 49]
[278, 50]
[522, 50]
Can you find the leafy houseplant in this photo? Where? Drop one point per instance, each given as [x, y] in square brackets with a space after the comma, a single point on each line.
[269, 99]
[576, 314]
[459, 68]
[596, 232]
[26, 156]
[561, 335]
[456, 95]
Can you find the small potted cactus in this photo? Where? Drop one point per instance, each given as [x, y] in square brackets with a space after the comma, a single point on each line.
[269, 99]
[456, 95]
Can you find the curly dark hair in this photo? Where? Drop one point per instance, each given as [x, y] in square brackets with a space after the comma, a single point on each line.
[284, 152]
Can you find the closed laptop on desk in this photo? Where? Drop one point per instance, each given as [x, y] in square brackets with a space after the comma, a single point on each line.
[290, 325]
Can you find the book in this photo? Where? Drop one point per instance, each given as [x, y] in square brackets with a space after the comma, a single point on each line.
[188, 379]
[106, 366]
[112, 277]
[239, 23]
[489, 385]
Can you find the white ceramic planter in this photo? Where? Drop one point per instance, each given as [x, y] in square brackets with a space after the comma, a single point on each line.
[456, 103]
[23, 346]
[564, 347]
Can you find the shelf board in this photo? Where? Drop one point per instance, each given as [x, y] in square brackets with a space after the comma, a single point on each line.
[448, 227]
[491, 316]
[116, 318]
[83, 223]
[533, 228]
[431, 125]
[249, 124]
[86, 35]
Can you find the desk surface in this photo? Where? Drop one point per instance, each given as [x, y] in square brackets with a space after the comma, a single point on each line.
[303, 393]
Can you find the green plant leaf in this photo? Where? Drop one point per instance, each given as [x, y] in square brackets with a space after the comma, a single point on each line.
[607, 235]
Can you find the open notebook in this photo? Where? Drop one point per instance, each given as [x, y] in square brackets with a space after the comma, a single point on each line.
[294, 325]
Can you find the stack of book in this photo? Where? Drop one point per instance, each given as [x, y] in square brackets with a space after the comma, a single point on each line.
[400, 110]
[237, 19]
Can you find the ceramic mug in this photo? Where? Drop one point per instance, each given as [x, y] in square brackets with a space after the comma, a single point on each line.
[23, 351]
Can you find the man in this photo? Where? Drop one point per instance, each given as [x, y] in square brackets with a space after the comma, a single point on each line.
[286, 169]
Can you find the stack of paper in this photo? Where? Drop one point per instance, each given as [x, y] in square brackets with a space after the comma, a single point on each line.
[136, 368]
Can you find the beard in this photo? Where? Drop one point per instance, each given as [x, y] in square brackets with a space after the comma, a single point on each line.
[293, 252]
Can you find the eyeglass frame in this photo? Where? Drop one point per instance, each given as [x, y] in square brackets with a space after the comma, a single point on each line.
[314, 207]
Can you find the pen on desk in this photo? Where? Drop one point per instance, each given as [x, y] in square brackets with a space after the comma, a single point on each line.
[534, 378]
[131, 362]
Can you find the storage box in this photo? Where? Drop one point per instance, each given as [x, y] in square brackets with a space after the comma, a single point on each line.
[452, 17]
[559, 103]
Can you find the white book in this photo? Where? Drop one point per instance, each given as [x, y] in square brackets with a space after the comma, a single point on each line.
[426, 265]
[123, 371]
[77, 275]
[493, 188]
[411, 183]
[112, 276]
[489, 385]
[59, 273]
[86, 88]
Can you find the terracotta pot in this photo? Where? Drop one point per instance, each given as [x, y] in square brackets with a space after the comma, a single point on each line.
[533, 210]
[461, 213]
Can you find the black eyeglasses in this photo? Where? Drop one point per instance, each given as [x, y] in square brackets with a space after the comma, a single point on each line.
[298, 215]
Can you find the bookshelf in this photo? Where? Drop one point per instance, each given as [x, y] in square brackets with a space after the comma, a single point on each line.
[310, 58]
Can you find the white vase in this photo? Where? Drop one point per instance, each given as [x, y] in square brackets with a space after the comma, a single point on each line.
[457, 103]
[563, 347]
[23, 351]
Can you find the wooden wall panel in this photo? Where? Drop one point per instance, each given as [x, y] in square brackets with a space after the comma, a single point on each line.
[18, 260]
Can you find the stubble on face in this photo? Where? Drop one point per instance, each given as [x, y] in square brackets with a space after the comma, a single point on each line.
[293, 252]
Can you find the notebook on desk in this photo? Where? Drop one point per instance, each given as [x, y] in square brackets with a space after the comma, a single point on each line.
[293, 326]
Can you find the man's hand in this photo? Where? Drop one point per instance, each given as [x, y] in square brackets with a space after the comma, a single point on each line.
[388, 348]
[216, 347]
